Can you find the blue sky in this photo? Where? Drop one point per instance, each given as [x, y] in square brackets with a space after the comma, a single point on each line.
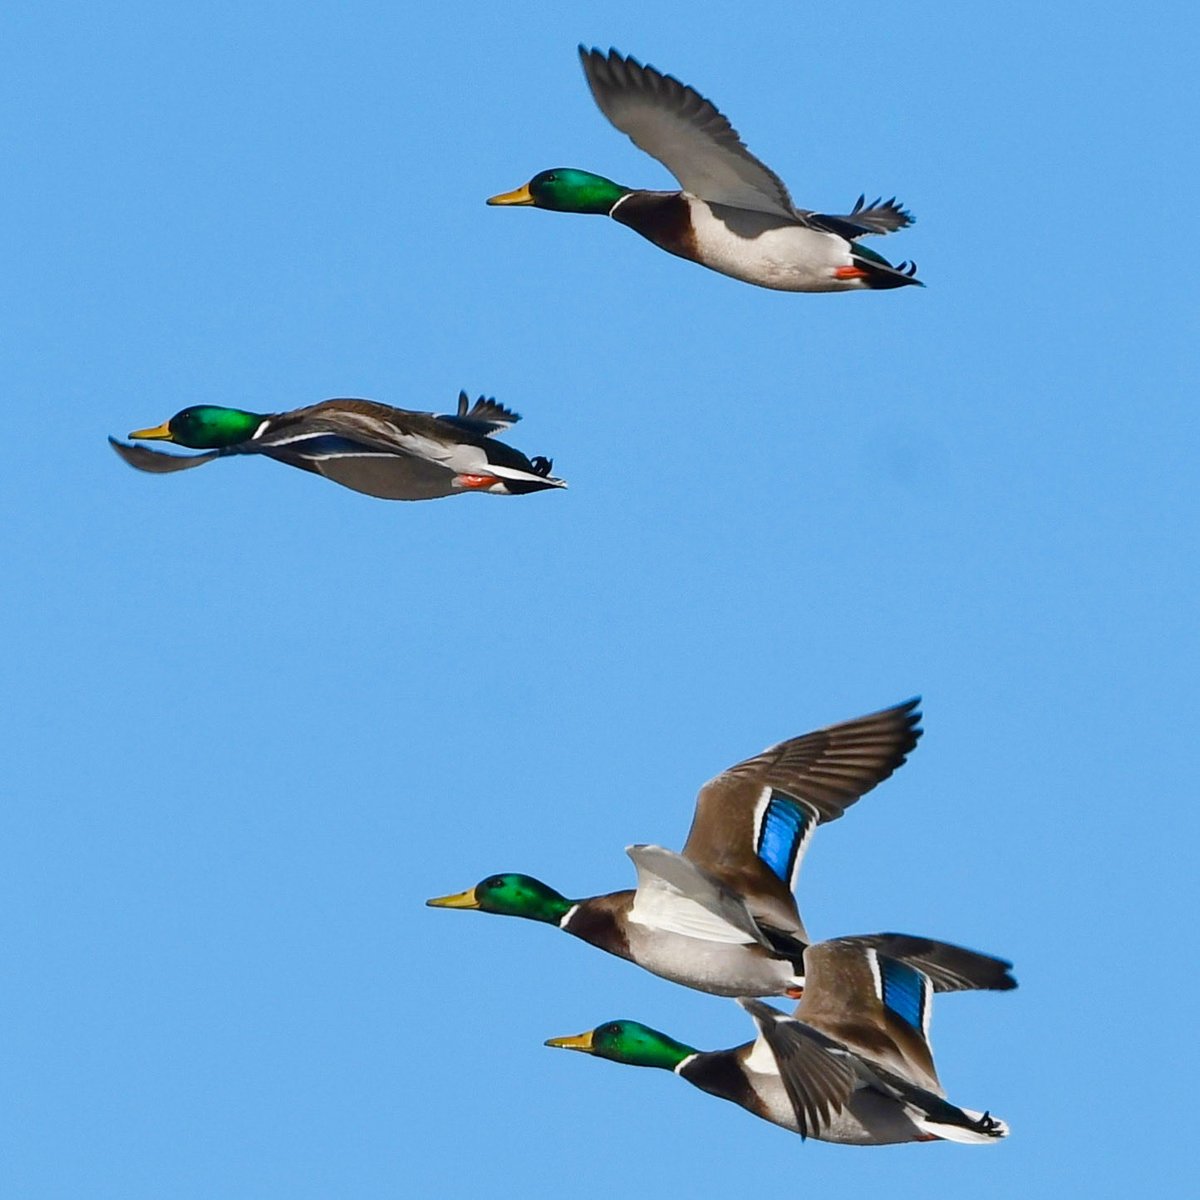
[255, 720]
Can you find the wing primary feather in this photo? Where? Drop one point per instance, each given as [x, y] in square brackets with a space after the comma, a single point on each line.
[160, 462]
[817, 1072]
[673, 123]
[950, 968]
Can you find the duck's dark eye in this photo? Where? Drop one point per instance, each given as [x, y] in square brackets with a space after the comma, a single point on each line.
[551, 178]
[497, 881]
[611, 1030]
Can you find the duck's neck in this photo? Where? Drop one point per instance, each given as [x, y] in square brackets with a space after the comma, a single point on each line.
[552, 910]
[568, 190]
[665, 1052]
[638, 1045]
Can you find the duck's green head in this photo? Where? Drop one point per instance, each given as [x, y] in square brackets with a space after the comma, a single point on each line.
[628, 1042]
[204, 427]
[511, 895]
[566, 190]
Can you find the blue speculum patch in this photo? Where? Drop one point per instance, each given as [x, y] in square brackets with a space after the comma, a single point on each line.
[783, 828]
[903, 991]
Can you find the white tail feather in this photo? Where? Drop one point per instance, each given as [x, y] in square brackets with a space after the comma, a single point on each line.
[956, 1133]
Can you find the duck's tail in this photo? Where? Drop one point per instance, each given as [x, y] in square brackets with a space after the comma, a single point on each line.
[878, 273]
[953, 1124]
[934, 1115]
[516, 482]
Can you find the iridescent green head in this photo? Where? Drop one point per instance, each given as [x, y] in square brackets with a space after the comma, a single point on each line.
[204, 427]
[511, 895]
[628, 1042]
[566, 190]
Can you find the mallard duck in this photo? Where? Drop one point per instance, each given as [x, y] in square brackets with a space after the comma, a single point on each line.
[371, 448]
[721, 917]
[733, 214]
[852, 1064]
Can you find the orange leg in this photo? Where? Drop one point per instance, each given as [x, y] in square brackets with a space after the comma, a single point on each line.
[849, 273]
[476, 481]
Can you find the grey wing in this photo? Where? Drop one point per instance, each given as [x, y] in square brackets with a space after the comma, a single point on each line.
[818, 1074]
[159, 462]
[676, 896]
[675, 124]
[392, 476]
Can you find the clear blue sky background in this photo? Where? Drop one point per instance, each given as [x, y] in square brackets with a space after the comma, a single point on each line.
[254, 720]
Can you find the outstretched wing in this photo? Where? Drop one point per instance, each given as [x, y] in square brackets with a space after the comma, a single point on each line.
[159, 462]
[675, 124]
[950, 968]
[754, 821]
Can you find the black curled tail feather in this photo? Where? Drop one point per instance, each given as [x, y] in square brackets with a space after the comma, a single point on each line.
[881, 275]
[539, 477]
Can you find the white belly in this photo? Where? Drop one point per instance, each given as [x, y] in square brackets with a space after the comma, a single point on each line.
[720, 968]
[765, 250]
[870, 1119]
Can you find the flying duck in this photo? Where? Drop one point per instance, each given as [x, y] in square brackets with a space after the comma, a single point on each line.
[853, 1064]
[733, 214]
[372, 448]
[720, 917]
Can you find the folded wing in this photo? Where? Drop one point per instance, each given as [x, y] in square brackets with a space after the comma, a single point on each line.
[817, 1074]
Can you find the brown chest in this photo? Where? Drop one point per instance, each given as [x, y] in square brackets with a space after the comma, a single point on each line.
[598, 922]
[719, 1073]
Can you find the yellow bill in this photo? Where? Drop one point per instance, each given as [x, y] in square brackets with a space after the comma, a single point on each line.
[582, 1041]
[161, 433]
[458, 900]
[522, 195]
